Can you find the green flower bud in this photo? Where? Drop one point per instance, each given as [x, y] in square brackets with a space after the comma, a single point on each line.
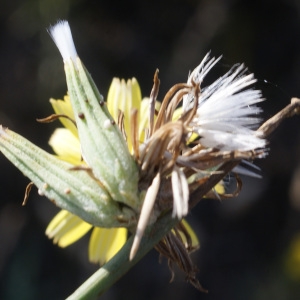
[102, 144]
[73, 190]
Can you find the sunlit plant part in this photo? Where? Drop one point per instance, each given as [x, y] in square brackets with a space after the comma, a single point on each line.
[178, 158]
[66, 228]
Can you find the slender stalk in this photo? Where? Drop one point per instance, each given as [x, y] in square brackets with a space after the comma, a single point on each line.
[113, 270]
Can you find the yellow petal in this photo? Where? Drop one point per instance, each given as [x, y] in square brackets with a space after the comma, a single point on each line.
[133, 101]
[112, 97]
[144, 118]
[64, 107]
[195, 241]
[136, 94]
[105, 243]
[66, 146]
[219, 188]
[124, 96]
[66, 228]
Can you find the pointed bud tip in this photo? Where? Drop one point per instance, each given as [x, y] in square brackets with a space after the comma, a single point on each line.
[62, 37]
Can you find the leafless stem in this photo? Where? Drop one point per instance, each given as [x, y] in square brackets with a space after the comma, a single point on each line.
[270, 125]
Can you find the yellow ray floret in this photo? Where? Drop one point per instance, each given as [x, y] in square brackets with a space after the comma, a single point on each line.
[66, 145]
[105, 243]
[64, 107]
[66, 228]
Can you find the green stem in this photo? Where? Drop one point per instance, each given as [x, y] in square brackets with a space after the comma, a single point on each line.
[113, 270]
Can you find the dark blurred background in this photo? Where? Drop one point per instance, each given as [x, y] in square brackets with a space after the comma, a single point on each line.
[250, 246]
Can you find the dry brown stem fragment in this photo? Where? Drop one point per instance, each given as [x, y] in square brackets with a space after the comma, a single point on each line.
[270, 125]
[27, 192]
[55, 117]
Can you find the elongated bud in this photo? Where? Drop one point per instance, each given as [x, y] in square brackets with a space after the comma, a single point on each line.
[72, 190]
[102, 144]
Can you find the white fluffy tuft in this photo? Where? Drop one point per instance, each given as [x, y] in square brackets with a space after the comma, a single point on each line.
[62, 37]
[227, 111]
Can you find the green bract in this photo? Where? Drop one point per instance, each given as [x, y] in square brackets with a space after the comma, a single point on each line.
[102, 144]
[75, 191]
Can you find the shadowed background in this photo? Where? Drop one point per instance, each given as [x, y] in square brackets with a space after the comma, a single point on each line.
[249, 244]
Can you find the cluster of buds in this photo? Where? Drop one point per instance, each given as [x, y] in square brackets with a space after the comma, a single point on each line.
[196, 136]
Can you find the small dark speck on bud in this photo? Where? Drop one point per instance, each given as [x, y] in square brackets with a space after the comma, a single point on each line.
[81, 115]
[53, 201]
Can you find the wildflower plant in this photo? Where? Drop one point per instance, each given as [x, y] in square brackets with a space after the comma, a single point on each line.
[140, 166]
